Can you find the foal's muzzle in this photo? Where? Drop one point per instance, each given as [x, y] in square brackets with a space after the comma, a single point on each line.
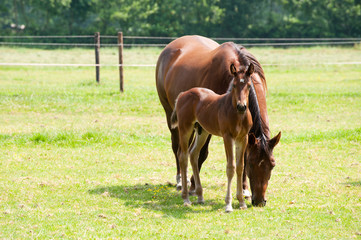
[241, 107]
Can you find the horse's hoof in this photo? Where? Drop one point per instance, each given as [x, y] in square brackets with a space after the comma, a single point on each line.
[192, 193]
[187, 203]
[229, 209]
[179, 187]
[242, 206]
[200, 200]
[246, 193]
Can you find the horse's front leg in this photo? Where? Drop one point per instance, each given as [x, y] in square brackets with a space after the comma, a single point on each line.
[241, 145]
[246, 192]
[228, 145]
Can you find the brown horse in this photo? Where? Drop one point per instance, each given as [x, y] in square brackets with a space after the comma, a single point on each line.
[195, 61]
[224, 115]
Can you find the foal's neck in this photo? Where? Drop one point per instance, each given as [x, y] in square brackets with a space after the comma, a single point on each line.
[229, 103]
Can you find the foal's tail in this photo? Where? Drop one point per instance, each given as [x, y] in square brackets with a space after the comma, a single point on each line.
[174, 117]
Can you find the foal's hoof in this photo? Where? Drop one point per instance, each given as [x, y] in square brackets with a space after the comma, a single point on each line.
[187, 203]
[242, 206]
[179, 187]
[229, 209]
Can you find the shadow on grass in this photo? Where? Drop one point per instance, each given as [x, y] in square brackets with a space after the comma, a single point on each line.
[354, 184]
[164, 198]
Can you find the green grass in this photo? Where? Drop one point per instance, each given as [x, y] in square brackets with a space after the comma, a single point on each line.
[81, 160]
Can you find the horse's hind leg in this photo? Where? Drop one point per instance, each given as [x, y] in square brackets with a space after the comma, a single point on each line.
[199, 141]
[175, 142]
[175, 148]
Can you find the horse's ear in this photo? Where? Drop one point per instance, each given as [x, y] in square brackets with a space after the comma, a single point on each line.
[250, 69]
[233, 70]
[252, 140]
[274, 141]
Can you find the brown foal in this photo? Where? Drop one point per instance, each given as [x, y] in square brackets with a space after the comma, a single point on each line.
[224, 115]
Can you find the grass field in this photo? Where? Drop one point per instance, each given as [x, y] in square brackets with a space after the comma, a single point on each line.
[81, 160]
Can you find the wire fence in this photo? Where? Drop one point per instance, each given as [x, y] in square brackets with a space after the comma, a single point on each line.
[98, 41]
[106, 41]
[147, 41]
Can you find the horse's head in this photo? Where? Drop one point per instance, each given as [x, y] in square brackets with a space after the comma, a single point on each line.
[241, 85]
[260, 162]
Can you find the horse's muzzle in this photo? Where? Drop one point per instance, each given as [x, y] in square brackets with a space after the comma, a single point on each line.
[259, 204]
[241, 107]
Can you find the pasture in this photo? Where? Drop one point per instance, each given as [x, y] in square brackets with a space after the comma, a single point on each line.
[82, 160]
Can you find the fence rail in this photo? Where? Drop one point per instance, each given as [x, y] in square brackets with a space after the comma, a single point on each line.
[163, 45]
[133, 41]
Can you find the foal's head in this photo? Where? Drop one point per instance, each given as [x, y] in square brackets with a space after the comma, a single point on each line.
[241, 85]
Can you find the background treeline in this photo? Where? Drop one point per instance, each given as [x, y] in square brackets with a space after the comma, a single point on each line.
[213, 18]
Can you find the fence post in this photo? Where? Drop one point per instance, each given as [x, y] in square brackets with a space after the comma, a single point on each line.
[120, 46]
[97, 47]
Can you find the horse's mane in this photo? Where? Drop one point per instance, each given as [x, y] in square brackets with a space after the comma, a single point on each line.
[257, 66]
[259, 126]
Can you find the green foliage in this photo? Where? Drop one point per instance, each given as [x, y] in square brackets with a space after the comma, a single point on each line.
[214, 18]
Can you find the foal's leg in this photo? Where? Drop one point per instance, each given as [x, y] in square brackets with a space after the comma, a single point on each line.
[199, 141]
[240, 149]
[202, 157]
[228, 145]
[184, 135]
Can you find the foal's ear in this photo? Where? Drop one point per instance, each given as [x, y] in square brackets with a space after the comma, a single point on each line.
[252, 140]
[250, 69]
[233, 70]
[274, 141]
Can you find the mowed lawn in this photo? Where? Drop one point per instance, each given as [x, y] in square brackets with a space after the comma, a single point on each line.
[82, 160]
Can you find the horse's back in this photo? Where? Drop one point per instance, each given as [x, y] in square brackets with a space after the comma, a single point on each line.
[181, 66]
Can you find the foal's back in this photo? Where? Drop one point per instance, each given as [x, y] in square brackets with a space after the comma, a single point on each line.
[200, 105]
